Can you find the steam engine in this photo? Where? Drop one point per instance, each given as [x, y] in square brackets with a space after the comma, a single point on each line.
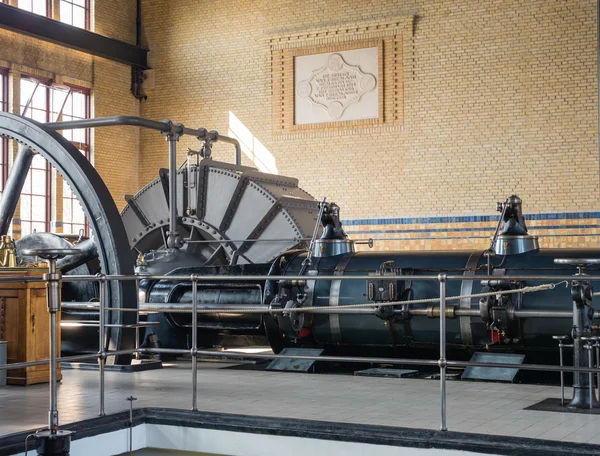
[218, 219]
[515, 322]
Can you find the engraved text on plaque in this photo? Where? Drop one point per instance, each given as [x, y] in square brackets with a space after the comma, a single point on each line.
[336, 86]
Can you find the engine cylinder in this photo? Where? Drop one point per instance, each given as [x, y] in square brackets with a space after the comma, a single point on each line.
[493, 321]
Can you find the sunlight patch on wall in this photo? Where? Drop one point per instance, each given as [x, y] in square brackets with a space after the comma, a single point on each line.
[262, 158]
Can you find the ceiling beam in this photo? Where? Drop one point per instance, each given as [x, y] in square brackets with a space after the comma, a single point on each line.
[46, 29]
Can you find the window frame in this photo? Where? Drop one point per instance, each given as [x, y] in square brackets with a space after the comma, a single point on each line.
[47, 84]
[85, 148]
[86, 12]
[48, 9]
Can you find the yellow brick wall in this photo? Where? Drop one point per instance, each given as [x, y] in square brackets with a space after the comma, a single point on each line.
[499, 97]
[115, 151]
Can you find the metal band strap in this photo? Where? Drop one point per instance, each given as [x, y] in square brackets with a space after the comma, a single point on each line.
[334, 298]
[466, 287]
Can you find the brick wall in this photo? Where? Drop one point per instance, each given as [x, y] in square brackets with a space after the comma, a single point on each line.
[498, 97]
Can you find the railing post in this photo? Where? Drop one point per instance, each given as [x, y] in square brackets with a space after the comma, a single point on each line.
[442, 361]
[53, 280]
[590, 349]
[101, 337]
[194, 351]
[597, 347]
[52, 289]
[561, 346]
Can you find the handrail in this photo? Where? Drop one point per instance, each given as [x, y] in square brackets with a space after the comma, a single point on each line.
[238, 278]
[194, 352]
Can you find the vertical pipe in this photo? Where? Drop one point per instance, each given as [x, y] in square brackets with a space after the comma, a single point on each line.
[172, 238]
[589, 349]
[597, 345]
[53, 303]
[562, 375]
[194, 342]
[53, 415]
[101, 340]
[131, 399]
[442, 361]
[137, 320]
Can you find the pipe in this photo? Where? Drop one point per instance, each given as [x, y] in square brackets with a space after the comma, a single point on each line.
[173, 240]
[194, 345]
[164, 127]
[442, 360]
[227, 241]
[474, 312]
[53, 300]
[64, 359]
[138, 23]
[89, 251]
[14, 186]
[367, 360]
[132, 121]
[102, 341]
[216, 136]
[239, 278]
[174, 307]
[243, 278]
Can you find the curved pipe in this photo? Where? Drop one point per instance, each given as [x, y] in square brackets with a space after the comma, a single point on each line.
[162, 126]
[216, 136]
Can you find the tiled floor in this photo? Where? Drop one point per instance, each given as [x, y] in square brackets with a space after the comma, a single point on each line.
[485, 408]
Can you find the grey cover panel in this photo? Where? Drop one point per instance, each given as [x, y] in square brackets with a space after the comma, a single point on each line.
[153, 204]
[281, 224]
[269, 207]
[254, 205]
[220, 186]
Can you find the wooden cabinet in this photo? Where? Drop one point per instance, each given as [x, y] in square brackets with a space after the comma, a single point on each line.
[24, 324]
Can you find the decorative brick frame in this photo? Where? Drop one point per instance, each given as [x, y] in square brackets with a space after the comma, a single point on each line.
[390, 38]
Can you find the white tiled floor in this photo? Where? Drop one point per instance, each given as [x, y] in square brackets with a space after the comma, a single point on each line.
[485, 408]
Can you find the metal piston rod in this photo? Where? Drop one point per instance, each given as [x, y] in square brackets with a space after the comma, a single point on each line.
[431, 312]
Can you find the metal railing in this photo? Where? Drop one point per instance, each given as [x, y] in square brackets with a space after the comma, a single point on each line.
[443, 363]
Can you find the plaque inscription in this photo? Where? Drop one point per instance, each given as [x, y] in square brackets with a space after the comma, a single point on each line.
[336, 86]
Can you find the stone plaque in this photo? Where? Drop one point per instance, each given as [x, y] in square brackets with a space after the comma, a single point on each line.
[336, 86]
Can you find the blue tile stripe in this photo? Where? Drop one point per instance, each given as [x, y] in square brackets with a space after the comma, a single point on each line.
[469, 219]
[458, 237]
[532, 229]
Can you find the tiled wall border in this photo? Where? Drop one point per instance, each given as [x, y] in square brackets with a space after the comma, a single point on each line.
[555, 230]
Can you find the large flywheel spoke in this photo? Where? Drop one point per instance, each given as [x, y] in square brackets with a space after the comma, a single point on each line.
[14, 186]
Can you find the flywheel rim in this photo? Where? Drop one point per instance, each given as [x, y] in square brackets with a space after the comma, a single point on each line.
[98, 205]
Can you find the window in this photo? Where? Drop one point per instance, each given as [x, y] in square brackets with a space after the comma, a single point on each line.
[76, 107]
[41, 7]
[75, 12]
[35, 196]
[45, 103]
